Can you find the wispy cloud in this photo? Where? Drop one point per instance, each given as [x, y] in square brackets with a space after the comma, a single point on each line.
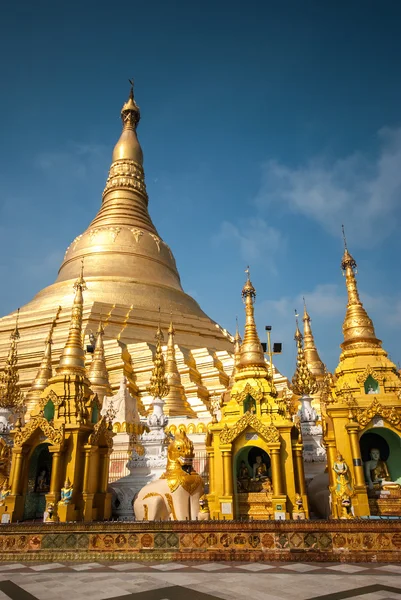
[362, 192]
[76, 160]
[254, 239]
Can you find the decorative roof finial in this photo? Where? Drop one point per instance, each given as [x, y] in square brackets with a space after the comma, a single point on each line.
[158, 387]
[98, 375]
[312, 357]
[11, 397]
[176, 403]
[303, 382]
[251, 353]
[357, 326]
[72, 360]
[130, 113]
[45, 371]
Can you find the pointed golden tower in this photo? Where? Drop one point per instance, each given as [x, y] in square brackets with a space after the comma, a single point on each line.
[312, 357]
[98, 375]
[365, 408]
[11, 397]
[254, 436]
[45, 371]
[303, 381]
[176, 404]
[65, 440]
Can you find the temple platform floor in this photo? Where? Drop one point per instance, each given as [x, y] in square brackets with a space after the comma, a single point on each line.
[198, 581]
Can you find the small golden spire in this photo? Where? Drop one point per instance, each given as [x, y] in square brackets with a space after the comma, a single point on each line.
[45, 370]
[158, 387]
[237, 346]
[303, 382]
[128, 146]
[251, 354]
[358, 328]
[11, 397]
[176, 403]
[98, 375]
[312, 357]
[72, 360]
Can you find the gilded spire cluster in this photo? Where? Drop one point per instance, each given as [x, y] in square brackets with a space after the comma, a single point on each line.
[312, 357]
[72, 360]
[251, 353]
[11, 397]
[158, 387]
[358, 328]
[303, 382]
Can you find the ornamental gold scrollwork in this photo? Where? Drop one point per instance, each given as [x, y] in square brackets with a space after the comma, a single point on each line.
[270, 433]
[56, 436]
[52, 396]
[362, 377]
[376, 409]
[256, 394]
[101, 428]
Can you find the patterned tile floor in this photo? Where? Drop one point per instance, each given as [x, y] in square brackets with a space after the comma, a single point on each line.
[199, 581]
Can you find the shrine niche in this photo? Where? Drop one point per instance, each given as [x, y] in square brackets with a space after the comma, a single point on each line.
[38, 482]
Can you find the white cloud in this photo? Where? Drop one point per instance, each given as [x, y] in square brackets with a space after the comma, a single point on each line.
[362, 193]
[253, 237]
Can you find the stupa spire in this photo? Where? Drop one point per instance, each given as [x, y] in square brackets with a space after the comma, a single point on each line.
[303, 382]
[72, 360]
[158, 387]
[11, 397]
[358, 328]
[176, 403]
[45, 370]
[312, 357]
[251, 353]
[98, 375]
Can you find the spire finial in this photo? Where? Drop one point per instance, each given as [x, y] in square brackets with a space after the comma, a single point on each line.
[98, 375]
[15, 333]
[131, 92]
[303, 382]
[310, 351]
[357, 327]
[344, 238]
[251, 349]
[72, 359]
[130, 113]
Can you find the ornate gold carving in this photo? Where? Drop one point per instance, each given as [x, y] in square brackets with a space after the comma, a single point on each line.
[390, 414]
[11, 397]
[180, 452]
[270, 432]
[158, 387]
[101, 428]
[113, 231]
[56, 436]
[303, 382]
[157, 240]
[362, 377]
[137, 233]
[256, 394]
[170, 503]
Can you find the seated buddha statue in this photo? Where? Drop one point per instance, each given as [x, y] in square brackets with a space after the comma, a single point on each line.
[243, 477]
[66, 492]
[377, 473]
[259, 469]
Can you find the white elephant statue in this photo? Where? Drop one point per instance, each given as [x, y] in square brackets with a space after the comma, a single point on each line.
[179, 494]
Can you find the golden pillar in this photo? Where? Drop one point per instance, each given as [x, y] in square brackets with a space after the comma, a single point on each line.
[210, 454]
[353, 429]
[17, 480]
[300, 469]
[331, 458]
[227, 474]
[276, 469]
[55, 485]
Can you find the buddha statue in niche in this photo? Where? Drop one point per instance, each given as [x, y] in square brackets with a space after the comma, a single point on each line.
[376, 472]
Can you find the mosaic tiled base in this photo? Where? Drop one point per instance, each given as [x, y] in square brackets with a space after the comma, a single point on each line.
[358, 541]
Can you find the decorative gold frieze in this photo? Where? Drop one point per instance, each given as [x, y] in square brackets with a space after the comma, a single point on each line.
[56, 436]
[376, 409]
[269, 432]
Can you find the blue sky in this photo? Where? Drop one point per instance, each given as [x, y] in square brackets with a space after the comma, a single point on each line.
[265, 125]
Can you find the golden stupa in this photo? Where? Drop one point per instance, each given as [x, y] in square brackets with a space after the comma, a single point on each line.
[131, 273]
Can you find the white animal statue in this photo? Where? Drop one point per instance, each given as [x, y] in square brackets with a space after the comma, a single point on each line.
[178, 494]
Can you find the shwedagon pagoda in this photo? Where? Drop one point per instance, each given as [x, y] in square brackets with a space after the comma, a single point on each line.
[120, 398]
